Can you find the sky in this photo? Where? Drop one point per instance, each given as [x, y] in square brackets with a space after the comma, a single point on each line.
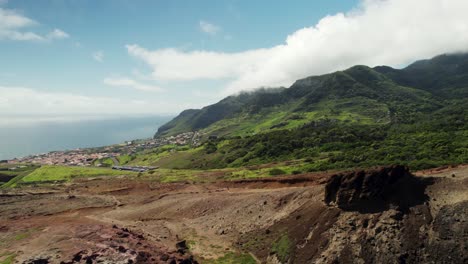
[86, 59]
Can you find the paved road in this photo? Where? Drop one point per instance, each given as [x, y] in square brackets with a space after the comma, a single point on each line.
[116, 162]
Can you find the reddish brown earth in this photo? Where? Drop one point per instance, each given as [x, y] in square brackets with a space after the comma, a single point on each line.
[362, 218]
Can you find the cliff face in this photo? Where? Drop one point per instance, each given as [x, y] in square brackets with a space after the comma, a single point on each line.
[391, 216]
[385, 215]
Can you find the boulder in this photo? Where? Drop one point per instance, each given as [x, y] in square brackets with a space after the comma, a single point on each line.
[182, 246]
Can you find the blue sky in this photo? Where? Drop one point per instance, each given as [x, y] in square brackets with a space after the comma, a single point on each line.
[88, 58]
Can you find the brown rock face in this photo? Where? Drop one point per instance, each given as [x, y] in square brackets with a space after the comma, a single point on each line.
[376, 190]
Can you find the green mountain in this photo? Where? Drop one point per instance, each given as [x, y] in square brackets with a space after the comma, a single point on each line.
[192, 119]
[357, 95]
[445, 76]
[358, 117]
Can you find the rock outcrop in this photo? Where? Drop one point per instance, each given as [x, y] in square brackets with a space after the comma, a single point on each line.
[376, 190]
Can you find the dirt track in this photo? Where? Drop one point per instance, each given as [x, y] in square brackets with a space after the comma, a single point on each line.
[124, 220]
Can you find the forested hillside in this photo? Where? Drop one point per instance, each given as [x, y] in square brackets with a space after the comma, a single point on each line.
[358, 117]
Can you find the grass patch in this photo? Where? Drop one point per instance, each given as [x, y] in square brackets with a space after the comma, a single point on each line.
[150, 158]
[282, 168]
[167, 176]
[124, 159]
[178, 160]
[233, 258]
[18, 174]
[22, 236]
[107, 162]
[10, 258]
[170, 157]
[66, 173]
[282, 248]
[354, 110]
[191, 244]
[276, 171]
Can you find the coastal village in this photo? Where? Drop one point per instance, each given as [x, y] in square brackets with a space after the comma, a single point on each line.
[78, 157]
[86, 157]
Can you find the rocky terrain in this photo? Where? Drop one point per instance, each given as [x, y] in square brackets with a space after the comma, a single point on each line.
[385, 215]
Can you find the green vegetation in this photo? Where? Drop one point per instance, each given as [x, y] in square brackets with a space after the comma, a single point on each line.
[233, 258]
[8, 258]
[358, 117]
[105, 162]
[282, 248]
[66, 173]
[25, 234]
[435, 140]
[328, 146]
[125, 159]
[277, 171]
[9, 178]
[191, 244]
[358, 95]
[166, 176]
[169, 156]
[22, 236]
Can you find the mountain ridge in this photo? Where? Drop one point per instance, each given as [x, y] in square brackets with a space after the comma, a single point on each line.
[423, 85]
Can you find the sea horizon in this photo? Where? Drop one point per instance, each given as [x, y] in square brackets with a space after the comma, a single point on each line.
[27, 137]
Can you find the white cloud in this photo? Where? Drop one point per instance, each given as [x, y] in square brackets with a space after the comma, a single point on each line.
[57, 34]
[10, 19]
[13, 27]
[21, 36]
[98, 56]
[127, 82]
[209, 28]
[19, 102]
[173, 64]
[390, 32]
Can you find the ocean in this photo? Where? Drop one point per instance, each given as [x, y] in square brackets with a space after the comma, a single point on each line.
[18, 140]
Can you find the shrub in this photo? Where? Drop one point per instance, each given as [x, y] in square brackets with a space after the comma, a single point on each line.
[277, 171]
[282, 248]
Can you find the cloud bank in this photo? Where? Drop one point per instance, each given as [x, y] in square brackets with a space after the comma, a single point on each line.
[13, 26]
[16, 103]
[127, 82]
[390, 32]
